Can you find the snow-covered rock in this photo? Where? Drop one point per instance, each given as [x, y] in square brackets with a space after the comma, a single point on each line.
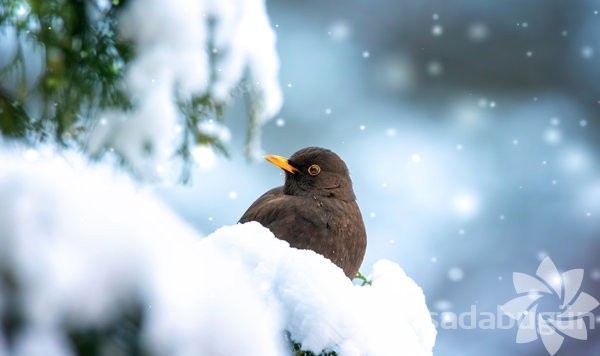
[83, 242]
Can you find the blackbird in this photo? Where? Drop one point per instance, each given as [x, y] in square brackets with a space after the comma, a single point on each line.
[315, 209]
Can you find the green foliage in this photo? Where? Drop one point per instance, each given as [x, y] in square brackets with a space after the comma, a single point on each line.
[195, 110]
[83, 64]
[297, 348]
[363, 280]
[122, 336]
[12, 318]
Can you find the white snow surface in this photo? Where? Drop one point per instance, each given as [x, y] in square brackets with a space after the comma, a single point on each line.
[81, 239]
[184, 48]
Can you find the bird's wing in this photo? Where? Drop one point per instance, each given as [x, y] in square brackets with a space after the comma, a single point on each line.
[256, 212]
[287, 216]
[274, 207]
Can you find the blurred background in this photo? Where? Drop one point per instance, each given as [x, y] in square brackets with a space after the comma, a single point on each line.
[471, 129]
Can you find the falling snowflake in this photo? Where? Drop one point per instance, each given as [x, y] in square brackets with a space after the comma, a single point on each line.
[587, 52]
[442, 305]
[455, 274]
[465, 204]
[552, 136]
[478, 32]
[339, 30]
[437, 30]
[434, 68]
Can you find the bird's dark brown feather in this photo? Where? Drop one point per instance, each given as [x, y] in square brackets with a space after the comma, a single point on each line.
[317, 213]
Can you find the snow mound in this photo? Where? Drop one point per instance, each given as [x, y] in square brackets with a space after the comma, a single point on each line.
[80, 245]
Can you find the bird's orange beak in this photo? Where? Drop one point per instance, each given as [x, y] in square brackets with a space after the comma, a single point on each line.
[282, 163]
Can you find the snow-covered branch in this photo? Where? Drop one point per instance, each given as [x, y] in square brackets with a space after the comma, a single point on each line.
[188, 48]
[83, 252]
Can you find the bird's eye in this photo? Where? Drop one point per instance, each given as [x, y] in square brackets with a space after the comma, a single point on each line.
[314, 170]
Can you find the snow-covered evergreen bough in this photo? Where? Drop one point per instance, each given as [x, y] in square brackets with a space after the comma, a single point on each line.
[89, 262]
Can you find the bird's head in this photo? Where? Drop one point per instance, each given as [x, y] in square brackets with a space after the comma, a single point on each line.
[317, 171]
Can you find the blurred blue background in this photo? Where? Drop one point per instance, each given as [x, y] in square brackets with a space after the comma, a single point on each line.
[471, 129]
